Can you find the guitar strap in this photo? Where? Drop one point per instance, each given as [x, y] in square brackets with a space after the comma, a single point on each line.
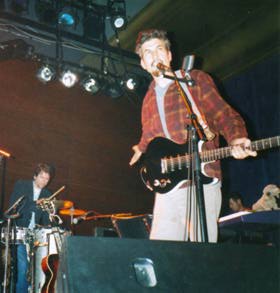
[201, 118]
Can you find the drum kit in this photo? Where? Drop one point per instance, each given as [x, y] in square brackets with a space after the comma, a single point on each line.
[42, 242]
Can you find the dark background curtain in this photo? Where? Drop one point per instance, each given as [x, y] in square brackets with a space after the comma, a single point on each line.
[255, 95]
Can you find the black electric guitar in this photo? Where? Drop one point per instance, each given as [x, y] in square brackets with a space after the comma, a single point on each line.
[166, 163]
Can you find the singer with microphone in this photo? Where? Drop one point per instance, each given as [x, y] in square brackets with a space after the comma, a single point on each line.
[164, 114]
[29, 214]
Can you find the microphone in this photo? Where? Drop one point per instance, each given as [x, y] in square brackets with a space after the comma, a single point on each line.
[187, 66]
[81, 218]
[188, 62]
[14, 205]
[162, 67]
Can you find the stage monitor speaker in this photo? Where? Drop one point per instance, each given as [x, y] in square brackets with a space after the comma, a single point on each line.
[113, 265]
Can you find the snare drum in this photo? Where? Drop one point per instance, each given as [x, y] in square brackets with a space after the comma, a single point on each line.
[17, 235]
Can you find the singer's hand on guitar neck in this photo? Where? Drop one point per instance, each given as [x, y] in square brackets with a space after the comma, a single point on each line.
[241, 148]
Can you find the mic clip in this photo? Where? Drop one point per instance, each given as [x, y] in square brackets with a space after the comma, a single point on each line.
[189, 80]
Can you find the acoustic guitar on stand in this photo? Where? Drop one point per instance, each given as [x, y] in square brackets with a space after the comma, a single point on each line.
[50, 262]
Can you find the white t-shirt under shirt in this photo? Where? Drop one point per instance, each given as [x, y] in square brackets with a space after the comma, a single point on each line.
[36, 193]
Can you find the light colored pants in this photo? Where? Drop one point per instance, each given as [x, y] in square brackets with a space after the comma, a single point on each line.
[175, 215]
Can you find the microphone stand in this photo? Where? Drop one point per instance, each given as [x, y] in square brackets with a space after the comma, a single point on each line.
[9, 218]
[3, 177]
[196, 132]
[7, 242]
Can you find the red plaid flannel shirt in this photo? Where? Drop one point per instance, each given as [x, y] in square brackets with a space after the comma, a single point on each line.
[220, 117]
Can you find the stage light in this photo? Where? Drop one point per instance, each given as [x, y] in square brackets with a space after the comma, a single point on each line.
[68, 17]
[117, 13]
[91, 84]
[118, 22]
[132, 82]
[68, 78]
[46, 73]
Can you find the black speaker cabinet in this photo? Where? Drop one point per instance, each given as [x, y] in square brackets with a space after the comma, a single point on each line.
[105, 265]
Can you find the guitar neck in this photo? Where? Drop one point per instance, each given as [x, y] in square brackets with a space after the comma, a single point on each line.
[258, 145]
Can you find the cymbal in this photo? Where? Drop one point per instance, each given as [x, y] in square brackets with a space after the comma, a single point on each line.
[72, 212]
[63, 204]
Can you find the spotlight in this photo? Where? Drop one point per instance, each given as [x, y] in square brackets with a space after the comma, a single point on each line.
[117, 11]
[132, 82]
[118, 22]
[46, 73]
[68, 17]
[68, 78]
[91, 84]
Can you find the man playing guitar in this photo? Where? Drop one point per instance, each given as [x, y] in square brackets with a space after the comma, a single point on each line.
[164, 115]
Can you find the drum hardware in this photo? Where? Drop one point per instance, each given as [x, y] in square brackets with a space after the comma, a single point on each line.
[10, 217]
[63, 204]
[28, 237]
[31, 261]
[87, 216]
[72, 212]
[17, 235]
[50, 206]
[7, 241]
[82, 217]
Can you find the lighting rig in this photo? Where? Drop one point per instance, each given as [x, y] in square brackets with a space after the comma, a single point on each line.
[68, 23]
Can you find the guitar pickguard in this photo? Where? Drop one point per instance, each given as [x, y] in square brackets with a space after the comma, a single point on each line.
[152, 174]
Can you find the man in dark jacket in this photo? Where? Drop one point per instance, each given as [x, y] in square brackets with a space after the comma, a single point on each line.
[30, 214]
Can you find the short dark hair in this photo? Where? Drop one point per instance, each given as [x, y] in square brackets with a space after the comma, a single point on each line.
[45, 168]
[149, 34]
[236, 196]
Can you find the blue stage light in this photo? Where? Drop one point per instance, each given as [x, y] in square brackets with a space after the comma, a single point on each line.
[68, 17]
